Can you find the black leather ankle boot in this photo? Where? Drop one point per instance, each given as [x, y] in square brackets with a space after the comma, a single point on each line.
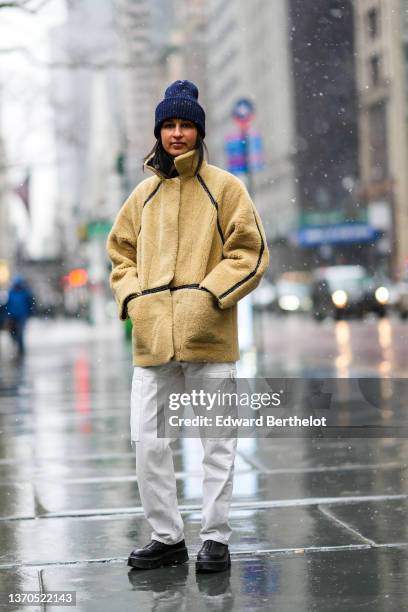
[157, 554]
[213, 557]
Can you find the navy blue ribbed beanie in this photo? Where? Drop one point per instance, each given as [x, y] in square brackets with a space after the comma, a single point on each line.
[180, 102]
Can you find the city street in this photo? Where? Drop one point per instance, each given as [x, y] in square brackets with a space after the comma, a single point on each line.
[178, 180]
[297, 346]
[318, 524]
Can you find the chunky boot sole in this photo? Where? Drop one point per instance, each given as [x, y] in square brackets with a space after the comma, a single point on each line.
[169, 558]
[213, 566]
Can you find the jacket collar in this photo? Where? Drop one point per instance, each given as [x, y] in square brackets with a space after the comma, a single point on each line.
[185, 164]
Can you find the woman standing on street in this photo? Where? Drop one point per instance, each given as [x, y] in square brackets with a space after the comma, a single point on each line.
[185, 247]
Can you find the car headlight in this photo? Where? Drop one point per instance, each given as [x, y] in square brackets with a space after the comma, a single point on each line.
[339, 298]
[289, 302]
[382, 295]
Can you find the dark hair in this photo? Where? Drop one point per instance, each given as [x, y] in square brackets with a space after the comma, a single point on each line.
[157, 151]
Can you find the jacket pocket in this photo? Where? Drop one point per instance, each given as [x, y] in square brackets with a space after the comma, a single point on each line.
[151, 316]
[206, 323]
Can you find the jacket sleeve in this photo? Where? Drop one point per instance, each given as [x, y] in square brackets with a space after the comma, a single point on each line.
[245, 250]
[121, 248]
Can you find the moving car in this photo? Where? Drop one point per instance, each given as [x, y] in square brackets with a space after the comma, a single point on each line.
[292, 296]
[401, 299]
[290, 293]
[342, 291]
[264, 296]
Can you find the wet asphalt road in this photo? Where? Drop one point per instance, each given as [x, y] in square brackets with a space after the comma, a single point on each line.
[318, 524]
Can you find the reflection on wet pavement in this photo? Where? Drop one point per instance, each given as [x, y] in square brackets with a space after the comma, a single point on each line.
[347, 580]
[318, 524]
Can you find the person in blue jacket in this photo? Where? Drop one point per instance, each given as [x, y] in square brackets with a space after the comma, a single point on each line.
[19, 307]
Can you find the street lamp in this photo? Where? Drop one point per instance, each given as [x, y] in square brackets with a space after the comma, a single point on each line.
[243, 114]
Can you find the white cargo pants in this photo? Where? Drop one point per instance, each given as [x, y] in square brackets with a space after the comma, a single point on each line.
[154, 456]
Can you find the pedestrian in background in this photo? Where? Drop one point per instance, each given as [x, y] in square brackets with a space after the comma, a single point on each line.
[19, 307]
[185, 247]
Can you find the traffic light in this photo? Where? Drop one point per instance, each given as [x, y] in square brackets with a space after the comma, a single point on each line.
[77, 277]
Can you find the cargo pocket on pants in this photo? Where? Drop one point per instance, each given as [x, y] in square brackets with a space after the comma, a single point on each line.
[136, 408]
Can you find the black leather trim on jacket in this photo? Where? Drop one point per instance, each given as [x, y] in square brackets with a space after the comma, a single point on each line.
[127, 300]
[191, 286]
[251, 274]
[155, 289]
[149, 197]
[213, 202]
[153, 193]
[164, 288]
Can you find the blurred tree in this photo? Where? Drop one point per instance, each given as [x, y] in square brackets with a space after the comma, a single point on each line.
[30, 6]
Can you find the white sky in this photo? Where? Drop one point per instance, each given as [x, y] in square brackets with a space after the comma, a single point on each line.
[26, 119]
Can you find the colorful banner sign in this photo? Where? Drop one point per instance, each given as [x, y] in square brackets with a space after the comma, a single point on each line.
[235, 151]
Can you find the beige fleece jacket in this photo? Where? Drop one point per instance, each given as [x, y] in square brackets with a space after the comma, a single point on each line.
[184, 251]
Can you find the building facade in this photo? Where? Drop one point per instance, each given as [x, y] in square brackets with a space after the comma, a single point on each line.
[85, 94]
[248, 56]
[326, 148]
[8, 243]
[297, 66]
[381, 29]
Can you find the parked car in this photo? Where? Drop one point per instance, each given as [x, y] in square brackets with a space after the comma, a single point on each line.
[401, 300]
[379, 296]
[342, 291]
[292, 296]
[264, 296]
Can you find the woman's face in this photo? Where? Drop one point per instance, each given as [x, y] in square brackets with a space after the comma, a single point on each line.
[178, 136]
